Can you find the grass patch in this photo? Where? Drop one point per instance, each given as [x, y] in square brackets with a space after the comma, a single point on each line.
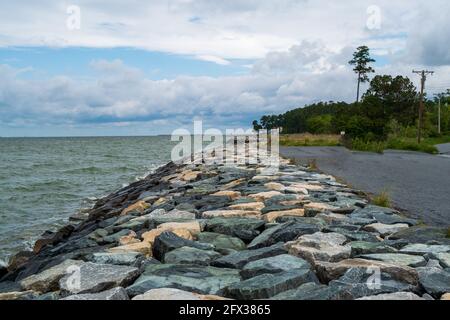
[437, 140]
[310, 140]
[312, 164]
[382, 200]
[411, 145]
[368, 146]
[448, 233]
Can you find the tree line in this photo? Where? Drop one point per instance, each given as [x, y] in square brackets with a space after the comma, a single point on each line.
[391, 104]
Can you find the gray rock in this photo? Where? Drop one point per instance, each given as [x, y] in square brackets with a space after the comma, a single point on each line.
[282, 233]
[393, 296]
[421, 249]
[275, 264]
[241, 258]
[443, 258]
[168, 241]
[93, 278]
[397, 259]
[133, 259]
[188, 255]
[382, 215]
[364, 247]
[199, 279]
[221, 242]
[48, 279]
[423, 234]
[117, 293]
[269, 285]
[360, 282]
[245, 229]
[114, 238]
[435, 281]
[307, 291]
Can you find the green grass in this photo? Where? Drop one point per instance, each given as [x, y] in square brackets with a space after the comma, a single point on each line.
[437, 140]
[368, 146]
[448, 233]
[382, 200]
[309, 140]
[411, 145]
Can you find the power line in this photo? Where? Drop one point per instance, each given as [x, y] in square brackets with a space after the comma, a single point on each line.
[423, 77]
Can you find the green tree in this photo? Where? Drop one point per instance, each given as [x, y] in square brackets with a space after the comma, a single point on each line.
[361, 60]
[256, 125]
[391, 97]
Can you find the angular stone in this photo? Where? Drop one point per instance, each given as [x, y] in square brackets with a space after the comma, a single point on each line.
[114, 238]
[320, 247]
[328, 271]
[48, 279]
[168, 241]
[421, 249]
[94, 277]
[359, 282]
[445, 296]
[251, 206]
[422, 234]
[314, 208]
[443, 258]
[144, 248]
[175, 294]
[233, 195]
[186, 230]
[272, 216]
[397, 259]
[121, 258]
[364, 247]
[282, 233]
[274, 186]
[386, 229]
[307, 291]
[435, 281]
[230, 214]
[382, 215]
[241, 258]
[245, 229]
[261, 196]
[117, 293]
[139, 206]
[188, 255]
[275, 264]
[269, 285]
[198, 279]
[222, 241]
[393, 296]
[18, 295]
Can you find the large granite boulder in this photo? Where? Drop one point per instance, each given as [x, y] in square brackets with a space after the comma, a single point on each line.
[275, 264]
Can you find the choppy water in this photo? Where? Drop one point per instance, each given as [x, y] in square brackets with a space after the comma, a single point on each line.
[45, 180]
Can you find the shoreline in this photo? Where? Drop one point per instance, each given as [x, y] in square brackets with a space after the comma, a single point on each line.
[222, 232]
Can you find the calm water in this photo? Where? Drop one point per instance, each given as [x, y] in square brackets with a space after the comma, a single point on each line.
[45, 180]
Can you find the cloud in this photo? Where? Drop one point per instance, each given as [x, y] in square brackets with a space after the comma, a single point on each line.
[224, 30]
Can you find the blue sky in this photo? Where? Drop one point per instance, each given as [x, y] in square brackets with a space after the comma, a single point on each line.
[141, 68]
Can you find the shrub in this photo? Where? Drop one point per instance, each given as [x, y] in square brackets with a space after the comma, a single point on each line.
[382, 200]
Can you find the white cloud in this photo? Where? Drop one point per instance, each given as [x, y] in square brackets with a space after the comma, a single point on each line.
[220, 30]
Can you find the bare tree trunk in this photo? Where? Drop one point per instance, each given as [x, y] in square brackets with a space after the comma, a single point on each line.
[357, 94]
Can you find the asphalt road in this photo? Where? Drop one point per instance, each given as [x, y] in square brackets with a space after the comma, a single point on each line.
[417, 183]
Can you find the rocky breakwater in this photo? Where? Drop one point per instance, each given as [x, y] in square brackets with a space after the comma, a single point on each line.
[210, 232]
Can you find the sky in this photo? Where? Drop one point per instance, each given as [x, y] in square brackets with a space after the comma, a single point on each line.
[83, 68]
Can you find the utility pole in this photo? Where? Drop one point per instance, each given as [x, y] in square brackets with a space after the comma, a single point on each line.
[423, 78]
[439, 116]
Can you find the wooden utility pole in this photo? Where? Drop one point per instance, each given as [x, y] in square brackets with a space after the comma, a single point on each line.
[423, 78]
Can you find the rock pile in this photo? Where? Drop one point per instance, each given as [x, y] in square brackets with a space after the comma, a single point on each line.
[208, 232]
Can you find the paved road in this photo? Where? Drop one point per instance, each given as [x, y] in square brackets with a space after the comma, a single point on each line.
[417, 183]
